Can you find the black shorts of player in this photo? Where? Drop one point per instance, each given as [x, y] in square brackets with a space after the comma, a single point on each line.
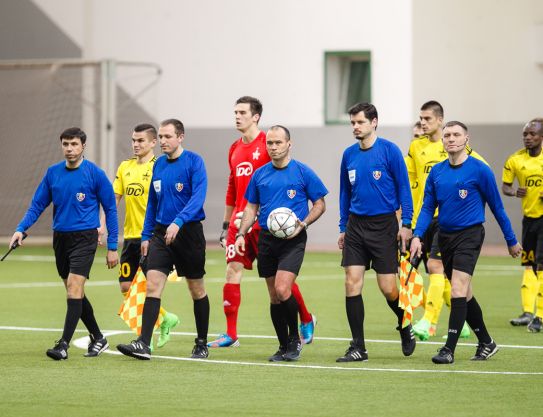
[275, 254]
[460, 250]
[130, 259]
[187, 252]
[532, 241]
[74, 252]
[371, 241]
[430, 241]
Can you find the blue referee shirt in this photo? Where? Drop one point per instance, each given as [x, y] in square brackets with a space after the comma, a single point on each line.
[177, 193]
[76, 195]
[292, 187]
[461, 192]
[374, 181]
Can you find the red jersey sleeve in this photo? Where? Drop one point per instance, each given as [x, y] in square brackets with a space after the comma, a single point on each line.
[231, 188]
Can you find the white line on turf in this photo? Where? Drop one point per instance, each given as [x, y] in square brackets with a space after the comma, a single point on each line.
[49, 284]
[308, 263]
[256, 336]
[214, 280]
[83, 342]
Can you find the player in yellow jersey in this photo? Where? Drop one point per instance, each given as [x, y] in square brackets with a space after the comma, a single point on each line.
[415, 189]
[526, 165]
[132, 180]
[423, 154]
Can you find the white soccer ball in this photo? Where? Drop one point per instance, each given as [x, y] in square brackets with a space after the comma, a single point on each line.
[282, 222]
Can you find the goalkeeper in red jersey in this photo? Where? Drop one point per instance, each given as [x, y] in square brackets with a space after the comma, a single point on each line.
[246, 155]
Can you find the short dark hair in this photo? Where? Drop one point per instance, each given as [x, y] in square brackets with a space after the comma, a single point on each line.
[283, 128]
[539, 121]
[369, 110]
[456, 123]
[254, 104]
[177, 124]
[73, 132]
[418, 124]
[435, 107]
[146, 127]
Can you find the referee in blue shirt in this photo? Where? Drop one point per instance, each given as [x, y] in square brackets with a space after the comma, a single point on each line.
[173, 236]
[373, 185]
[461, 186]
[283, 182]
[77, 188]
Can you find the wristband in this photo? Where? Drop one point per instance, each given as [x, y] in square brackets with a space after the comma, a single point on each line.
[225, 225]
[407, 225]
[240, 235]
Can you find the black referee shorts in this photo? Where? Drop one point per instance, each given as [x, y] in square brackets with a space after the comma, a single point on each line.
[371, 241]
[275, 254]
[187, 252]
[460, 250]
[130, 259]
[74, 252]
[532, 241]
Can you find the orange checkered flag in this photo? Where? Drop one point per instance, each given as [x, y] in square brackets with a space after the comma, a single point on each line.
[132, 307]
[411, 290]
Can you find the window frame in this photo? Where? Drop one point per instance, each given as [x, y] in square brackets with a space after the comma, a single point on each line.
[361, 55]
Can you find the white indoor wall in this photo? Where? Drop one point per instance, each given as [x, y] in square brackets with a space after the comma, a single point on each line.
[478, 59]
[214, 51]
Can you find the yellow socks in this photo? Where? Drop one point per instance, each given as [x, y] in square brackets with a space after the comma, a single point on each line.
[434, 297]
[529, 290]
[539, 299]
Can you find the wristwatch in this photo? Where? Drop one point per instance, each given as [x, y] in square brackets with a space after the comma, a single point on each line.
[305, 225]
[407, 225]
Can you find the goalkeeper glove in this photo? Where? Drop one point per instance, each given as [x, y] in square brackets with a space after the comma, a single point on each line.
[224, 232]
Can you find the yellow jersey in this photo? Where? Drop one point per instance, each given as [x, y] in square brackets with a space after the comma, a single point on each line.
[415, 189]
[529, 173]
[423, 155]
[132, 181]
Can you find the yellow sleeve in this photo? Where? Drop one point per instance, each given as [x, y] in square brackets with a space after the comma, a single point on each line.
[118, 182]
[508, 175]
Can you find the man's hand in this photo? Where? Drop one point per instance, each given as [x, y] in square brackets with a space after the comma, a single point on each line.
[16, 238]
[112, 258]
[404, 235]
[521, 192]
[101, 233]
[224, 233]
[144, 247]
[515, 251]
[240, 245]
[341, 240]
[416, 248]
[299, 227]
[171, 233]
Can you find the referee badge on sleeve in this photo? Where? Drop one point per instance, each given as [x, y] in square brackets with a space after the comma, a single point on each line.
[156, 185]
[463, 193]
[352, 176]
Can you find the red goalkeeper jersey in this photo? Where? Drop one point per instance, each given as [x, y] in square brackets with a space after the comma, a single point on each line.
[244, 159]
